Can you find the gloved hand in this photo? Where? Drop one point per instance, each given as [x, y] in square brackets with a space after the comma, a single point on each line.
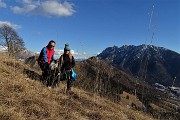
[69, 69]
[55, 61]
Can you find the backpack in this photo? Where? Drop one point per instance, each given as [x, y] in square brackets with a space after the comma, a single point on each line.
[73, 75]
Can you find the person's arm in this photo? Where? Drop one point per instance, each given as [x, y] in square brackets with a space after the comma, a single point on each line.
[44, 55]
[60, 60]
[60, 63]
[52, 58]
[73, 62]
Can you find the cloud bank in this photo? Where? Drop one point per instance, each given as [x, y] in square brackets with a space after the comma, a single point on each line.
[76, 55]
[45, 7]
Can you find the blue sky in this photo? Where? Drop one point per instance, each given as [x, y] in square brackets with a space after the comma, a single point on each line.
[90, 26]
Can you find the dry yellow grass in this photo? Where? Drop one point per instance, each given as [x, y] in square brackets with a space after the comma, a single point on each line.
[127, 99]
[22, 98]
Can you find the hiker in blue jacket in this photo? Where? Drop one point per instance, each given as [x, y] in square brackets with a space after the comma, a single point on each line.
[46, 57]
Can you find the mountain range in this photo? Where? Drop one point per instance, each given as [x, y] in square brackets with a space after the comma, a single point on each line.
[149, 63]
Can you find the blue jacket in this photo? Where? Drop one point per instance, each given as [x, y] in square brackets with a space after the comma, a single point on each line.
[46, 55]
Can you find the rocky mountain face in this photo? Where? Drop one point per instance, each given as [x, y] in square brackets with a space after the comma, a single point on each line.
[146, 62]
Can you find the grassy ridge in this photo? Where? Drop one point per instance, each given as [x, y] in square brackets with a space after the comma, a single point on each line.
[23, 98]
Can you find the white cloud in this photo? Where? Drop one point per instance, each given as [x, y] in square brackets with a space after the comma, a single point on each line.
[73, 52]
[15, 26]
[76, 55]
[2, 4]
[46, 7]
[25, 9]
[57, 9]
[58, 53]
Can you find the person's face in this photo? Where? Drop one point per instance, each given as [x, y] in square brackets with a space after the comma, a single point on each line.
[52, 45]
[67, 52]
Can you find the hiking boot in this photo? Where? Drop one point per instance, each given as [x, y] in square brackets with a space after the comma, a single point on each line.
[68, 89]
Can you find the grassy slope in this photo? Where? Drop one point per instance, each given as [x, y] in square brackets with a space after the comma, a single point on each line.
[22, 98]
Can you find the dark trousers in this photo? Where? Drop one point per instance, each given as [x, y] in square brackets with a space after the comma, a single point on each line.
[69, 80]
[45, 73]
[69, 84]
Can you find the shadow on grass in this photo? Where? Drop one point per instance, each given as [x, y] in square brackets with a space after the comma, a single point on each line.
[32, 75]
[52, 79]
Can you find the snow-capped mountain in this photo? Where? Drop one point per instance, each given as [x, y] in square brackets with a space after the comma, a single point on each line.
[26, 54]
[22, 55]
[147, 62]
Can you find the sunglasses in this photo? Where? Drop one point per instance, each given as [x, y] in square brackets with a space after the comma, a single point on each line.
[51, 46]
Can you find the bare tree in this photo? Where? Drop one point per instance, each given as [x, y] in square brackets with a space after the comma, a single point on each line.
[10, 38]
